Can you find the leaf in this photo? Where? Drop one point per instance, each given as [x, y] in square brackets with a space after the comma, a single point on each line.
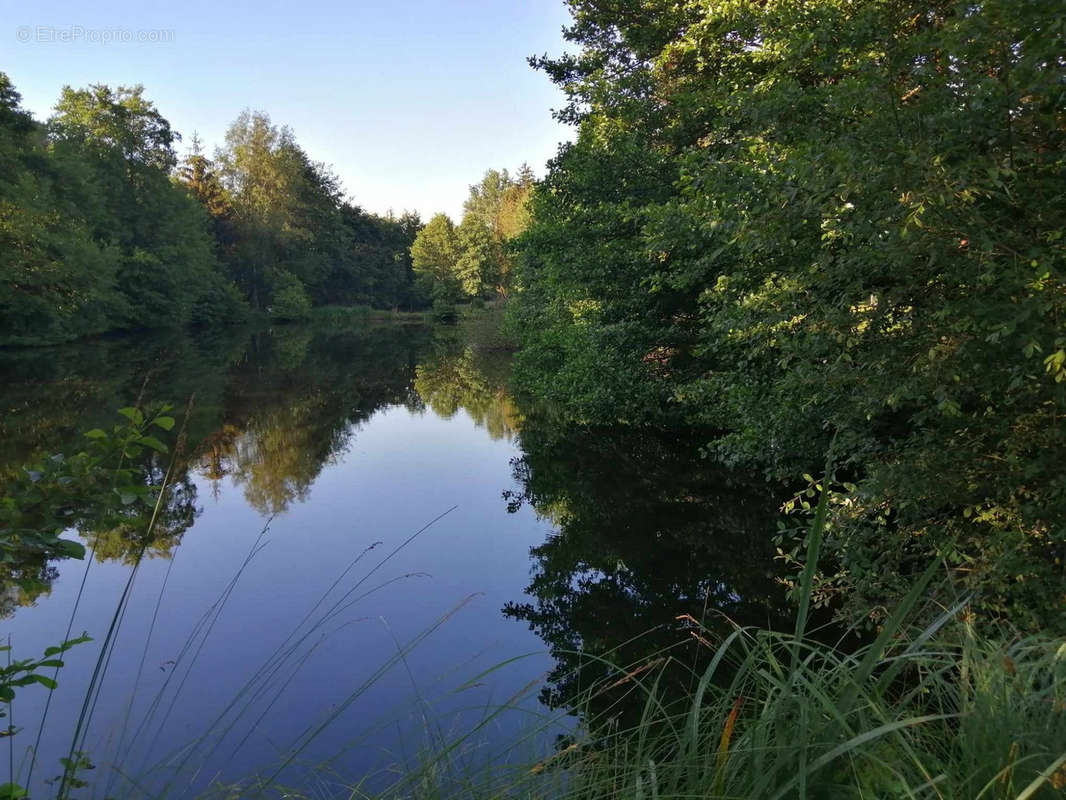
[70, 548]
[56, 649]
[152, 442]
[12, 791]
[166, 423]
[96, 433]
[45, 681]
[134, 415]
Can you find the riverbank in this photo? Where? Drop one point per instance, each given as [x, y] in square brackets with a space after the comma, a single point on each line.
[649, 575]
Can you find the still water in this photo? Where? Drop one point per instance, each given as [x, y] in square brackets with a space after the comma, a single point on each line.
[363, 526]
[316, 458]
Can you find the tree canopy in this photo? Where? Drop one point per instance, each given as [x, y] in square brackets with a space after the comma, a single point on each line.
[824, 226]
[104, 227]
[474, 259]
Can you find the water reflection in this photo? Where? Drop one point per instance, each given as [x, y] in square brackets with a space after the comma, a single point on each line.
[123, 500]
[475, 381]
[266, 409]
[646, 531]
[643, 529]
[335, 436]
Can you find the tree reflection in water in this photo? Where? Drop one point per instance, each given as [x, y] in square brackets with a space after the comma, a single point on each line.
[271, 409]
[646, 531]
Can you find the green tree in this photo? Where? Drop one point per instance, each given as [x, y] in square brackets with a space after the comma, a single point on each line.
[479, 266]
[434, 254]
[121, 149]
[800, 224]
[251, 172]
[290, 298]
[109, 121]
[495, 213]
[198, 174]
[55, 277]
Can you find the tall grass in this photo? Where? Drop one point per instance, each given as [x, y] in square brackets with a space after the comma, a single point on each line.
[946, 710]
[942, 711]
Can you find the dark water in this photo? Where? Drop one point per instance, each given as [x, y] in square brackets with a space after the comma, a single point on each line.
[306, 448]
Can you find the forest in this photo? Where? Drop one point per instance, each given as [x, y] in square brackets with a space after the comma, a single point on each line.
[105, 228]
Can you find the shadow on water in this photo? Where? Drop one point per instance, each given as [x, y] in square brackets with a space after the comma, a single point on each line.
[646, 531]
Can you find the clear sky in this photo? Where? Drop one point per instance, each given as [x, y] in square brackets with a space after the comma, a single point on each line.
[410, 102]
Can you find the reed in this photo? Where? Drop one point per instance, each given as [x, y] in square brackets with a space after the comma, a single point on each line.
[940, 711]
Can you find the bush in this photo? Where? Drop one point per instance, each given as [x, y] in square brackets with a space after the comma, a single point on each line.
[221, 303]
[291, 302]
[444, 311]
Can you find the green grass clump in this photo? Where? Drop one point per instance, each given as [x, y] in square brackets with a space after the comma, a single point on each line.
[942, 711]
[945, 716]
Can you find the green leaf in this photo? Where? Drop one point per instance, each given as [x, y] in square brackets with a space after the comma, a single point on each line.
[96, 433]
[70, 548]
[134, 415]
[54, 650]
[166, 423]
[152, 442]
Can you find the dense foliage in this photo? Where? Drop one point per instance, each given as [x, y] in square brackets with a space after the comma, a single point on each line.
[93, 235]
[101, 227]
[290, 237]
[474, 259]
[829, 224]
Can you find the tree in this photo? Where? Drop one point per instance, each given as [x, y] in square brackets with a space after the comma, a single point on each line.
[55, 278]
[251, 172]
[197, 173]
[291, 215]
[290, 298]
[434, 254]
[824, 224]
[118, 120]
[478, 267]
[101, 228]
[121, 149]
[513, 216]
[495, 213]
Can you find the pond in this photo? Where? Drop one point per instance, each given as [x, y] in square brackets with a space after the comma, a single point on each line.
[367, 549]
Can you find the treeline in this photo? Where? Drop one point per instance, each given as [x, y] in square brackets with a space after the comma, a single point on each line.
[821, 228]
[474, 258]
[102, 227]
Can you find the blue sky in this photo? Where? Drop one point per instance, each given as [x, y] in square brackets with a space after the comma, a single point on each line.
[410, 102]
